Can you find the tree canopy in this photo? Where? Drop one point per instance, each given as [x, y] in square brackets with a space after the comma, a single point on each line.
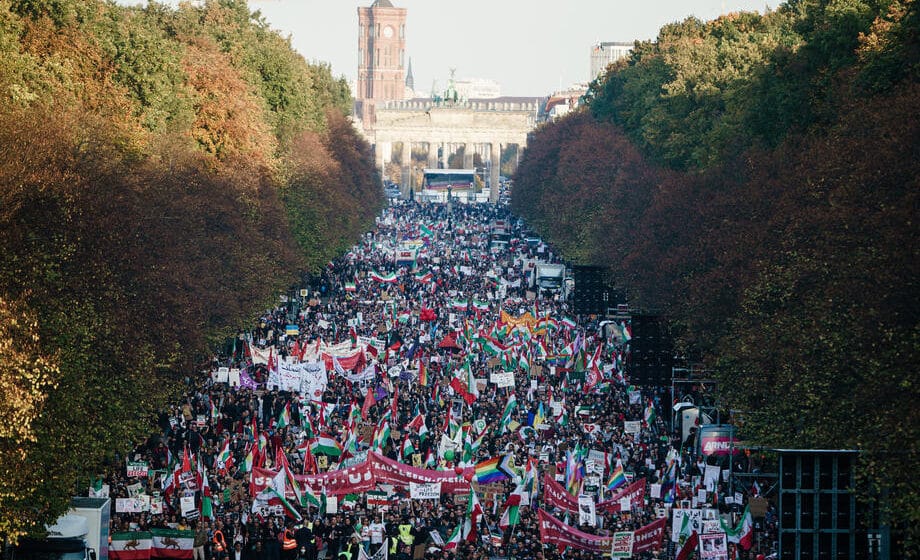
[755, 178]
[148, 160]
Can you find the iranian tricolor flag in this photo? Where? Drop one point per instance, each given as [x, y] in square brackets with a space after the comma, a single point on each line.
[168, 543]
[350, 287]
[383, 278]
[490, 346]
[465, 385]
[743, 533]
[459, 304]
[454, 540]
[473, 513]
[506, 415]
[480, 305]
[512, 515]
[130, 546]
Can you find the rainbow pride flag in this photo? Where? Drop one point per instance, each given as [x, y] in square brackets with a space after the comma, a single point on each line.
[617, 478]
[495, 469]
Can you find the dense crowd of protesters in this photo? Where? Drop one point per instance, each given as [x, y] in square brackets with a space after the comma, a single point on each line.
[453, 244]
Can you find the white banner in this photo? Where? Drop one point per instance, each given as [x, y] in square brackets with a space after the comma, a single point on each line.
[586, 510]
[632, 426]
[260, 355]
[133, 505]
[502, 379]
[425, 491]
[313, 380]
[369, 374]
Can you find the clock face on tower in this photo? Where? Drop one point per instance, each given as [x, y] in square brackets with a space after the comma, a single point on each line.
[388, 32]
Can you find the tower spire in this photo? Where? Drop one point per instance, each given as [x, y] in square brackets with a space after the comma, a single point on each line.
[410, 80]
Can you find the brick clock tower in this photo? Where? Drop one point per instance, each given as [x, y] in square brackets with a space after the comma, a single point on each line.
[381, 58]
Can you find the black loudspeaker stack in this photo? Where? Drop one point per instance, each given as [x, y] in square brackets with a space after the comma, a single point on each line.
[592, 292]
[651, 351]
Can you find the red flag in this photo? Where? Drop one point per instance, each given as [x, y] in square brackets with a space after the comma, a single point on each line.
[394, 402]
[686, 551]
[368, 403]
[309, 463]
[186, 462]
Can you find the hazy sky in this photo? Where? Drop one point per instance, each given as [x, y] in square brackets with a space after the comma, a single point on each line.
[530, 47]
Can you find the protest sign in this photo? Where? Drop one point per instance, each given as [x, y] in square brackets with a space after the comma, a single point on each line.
[425, 491]
[622, 545]
[137, 469]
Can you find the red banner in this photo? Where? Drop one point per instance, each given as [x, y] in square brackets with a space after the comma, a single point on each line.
[649, 537]
[260, 479]
[556, 532]
[555, 495]
[635, 492]
[378, 469]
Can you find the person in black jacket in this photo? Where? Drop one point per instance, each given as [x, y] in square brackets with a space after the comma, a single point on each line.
[306, 543]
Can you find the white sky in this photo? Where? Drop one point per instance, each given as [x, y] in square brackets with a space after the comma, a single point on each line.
[530, 47]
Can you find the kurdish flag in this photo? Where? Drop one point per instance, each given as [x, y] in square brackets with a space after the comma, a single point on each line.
[135, 545]
[383, 278]
[625, 331]
[495, 469]
[407, 448]
[284, 418]
[247, 462]
[617, 478]
[326, 445]
[649, 414]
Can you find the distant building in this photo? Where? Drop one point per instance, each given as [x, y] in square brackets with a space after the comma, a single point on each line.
[381, 58]
[477, 88]
[561, 102]
[603, 54]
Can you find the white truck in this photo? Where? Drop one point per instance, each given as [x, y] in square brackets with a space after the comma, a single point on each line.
[549, 276]
[81, 534]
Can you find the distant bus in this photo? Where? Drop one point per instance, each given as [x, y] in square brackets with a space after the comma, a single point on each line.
[456, 179]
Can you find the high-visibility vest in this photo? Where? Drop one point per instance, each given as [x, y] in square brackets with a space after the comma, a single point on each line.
[288, 542]
[220, 544]
[405, 534]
